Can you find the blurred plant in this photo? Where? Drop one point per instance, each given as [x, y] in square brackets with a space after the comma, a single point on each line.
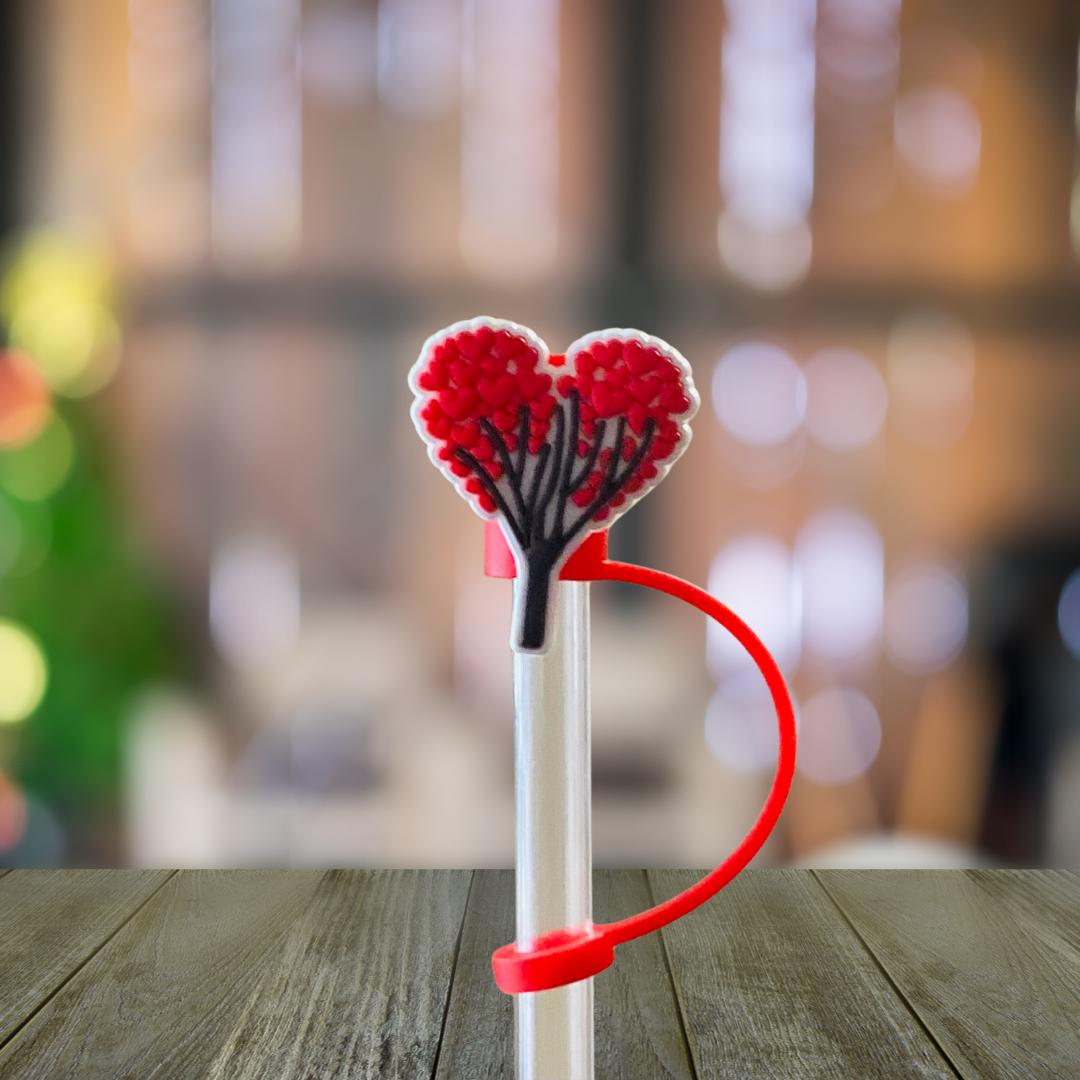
[74, 594]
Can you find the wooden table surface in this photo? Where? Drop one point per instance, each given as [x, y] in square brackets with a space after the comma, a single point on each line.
[291, 975]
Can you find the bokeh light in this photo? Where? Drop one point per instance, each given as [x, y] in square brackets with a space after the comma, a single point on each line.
[55, 298]
[742, 733]
[755, 576]
[767, 140]
[38, 469]
[510, 140]
[24, 399]
[1068, 613]
[846, 399]
[254, 600]
[841, 562]
[759, 393]
[12, 814]
[839, 736]
[23, 673]
[926, 618]
[939, 137]
[930, 364]
[419, 57]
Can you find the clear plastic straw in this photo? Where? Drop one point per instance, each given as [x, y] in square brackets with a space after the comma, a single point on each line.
[554, 1028]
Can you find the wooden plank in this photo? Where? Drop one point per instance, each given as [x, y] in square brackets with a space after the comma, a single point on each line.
[52, 921]
[638, 1034]
[990, 960]
[772, 982]
[478, 1042]
[360, 989]
[162, 997]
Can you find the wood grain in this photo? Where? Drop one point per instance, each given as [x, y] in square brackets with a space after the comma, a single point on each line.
[162, 997]
[478, 1042]
[360, 988]
[990, 960]
[772, 982]
[638, 1034]
[51, 921]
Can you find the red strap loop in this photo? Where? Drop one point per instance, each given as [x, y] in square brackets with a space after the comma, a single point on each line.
[566, 956]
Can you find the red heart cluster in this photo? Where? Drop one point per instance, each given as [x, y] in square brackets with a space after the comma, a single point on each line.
[494, 374]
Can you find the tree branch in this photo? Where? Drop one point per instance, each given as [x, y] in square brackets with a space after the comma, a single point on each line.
[499, 445]
[531, 522]
[540, 509]
[523, 440]
[590, 460]
[492, 489]
[612, 483]
[571, 451]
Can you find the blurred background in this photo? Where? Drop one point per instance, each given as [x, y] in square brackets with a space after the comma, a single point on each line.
[244, 622]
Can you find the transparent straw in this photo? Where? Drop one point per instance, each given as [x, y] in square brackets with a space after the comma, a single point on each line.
[554, 1028]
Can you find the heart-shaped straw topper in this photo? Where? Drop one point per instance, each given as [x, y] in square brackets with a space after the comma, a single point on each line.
[554, 447]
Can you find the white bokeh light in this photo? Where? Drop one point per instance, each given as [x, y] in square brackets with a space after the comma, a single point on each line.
[254, 600]
[1068, 614]
[742, 734]
[841, 562]
[510, 139]
[256, 174]
[839, 736]
[846, 399]
[926, 618]
[759, 393]
[754, 575]
[419, 57]
[767, 140]
[939, 137]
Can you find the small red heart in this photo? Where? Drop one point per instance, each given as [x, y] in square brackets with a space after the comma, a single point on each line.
[533, 385]
[465, 372]
[636, 416]
[435, 378]
[498, 392]
[459, 404]
[506, 345]
[645, 390]
[467, 434]
[608, 402]
[616, 377]
[543, 408]
[639, 359]
[475, 344]
[607, 353]
[673, 399]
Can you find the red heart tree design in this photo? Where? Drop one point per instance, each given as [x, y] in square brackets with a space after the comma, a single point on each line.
[552, 446]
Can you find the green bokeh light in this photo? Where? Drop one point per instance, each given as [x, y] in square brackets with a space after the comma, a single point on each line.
[37, 470]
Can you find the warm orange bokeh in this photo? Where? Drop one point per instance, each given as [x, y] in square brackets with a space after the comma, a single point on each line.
[12, 814]
[24, 399]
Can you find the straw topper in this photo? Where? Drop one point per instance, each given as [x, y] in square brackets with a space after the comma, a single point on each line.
[553, 447]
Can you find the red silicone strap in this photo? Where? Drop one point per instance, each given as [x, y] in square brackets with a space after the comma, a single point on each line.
[566, 956]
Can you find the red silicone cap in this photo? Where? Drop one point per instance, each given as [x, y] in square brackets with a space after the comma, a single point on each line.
[566, 956]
